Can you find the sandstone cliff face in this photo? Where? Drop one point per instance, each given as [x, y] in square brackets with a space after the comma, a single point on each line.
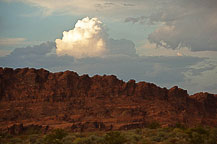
[65, 99]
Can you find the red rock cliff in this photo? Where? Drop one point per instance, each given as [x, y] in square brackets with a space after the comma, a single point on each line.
[65, 99]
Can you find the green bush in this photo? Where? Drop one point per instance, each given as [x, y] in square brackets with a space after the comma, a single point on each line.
[153, 125]
[89, 140]
[200, 130]
[212, 139]
[138, 131]
[15, 141]
[114, 137]
[180, 126]
[33, 138]
[55, 137]
[146, 141]
[198, 135]
[39, 141]
[33, 130]
[171, 135]
[132, 137]
[68, 139]
[160, 137]
[196, 138]
[81, 141]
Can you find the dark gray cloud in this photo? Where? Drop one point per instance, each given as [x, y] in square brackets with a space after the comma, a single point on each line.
[122, 46]
[122, 61]
[35, 56]
[183, 23]
[176, 23]
[44, 55]
[129, 4]
[141, 19]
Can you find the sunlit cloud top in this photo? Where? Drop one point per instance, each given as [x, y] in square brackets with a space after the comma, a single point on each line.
[87, 39]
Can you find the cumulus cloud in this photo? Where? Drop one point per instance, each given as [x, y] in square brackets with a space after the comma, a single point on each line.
[87, 39]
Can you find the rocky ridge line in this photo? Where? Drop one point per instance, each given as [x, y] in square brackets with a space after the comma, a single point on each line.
[83, 103]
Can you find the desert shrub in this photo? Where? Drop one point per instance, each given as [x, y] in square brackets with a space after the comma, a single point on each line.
[177, 136]
[136, 137]
[198, 135]
[33, 138]
[68, 139]
[80, 140]
[89, 140]
[33, 130]
[2, 135]
[196, 138]
[15, 141]
[138, 131]
[212, 139]
[173, 140]
[167, 129]
[159, 137]
[132, 137]
[153, 125]
[55, 137]
[180, 126]
[96, 139]
[179, 133]
[146, 141]
[39, 141]
[114, 137]
[5, 135]
[200, 130]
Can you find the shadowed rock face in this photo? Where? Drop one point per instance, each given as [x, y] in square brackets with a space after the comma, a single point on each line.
[83, 103]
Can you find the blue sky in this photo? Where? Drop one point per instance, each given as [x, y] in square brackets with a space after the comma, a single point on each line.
[168, 42]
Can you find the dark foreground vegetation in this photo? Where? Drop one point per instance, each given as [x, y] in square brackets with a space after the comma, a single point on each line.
[151, 135]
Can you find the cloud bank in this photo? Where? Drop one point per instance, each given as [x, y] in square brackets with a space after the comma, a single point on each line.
[165, 71]
[87, 39]
[182, 23]
[179, 23]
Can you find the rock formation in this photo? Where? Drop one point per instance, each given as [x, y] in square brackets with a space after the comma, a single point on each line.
[83, 103]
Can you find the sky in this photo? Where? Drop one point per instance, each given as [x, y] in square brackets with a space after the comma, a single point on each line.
[166, 42]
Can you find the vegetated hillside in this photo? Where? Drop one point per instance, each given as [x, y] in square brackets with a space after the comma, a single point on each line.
[171, 135]
[31, 97]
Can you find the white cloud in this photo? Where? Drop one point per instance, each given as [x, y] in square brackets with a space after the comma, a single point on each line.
[11, 41]
[87, 39]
